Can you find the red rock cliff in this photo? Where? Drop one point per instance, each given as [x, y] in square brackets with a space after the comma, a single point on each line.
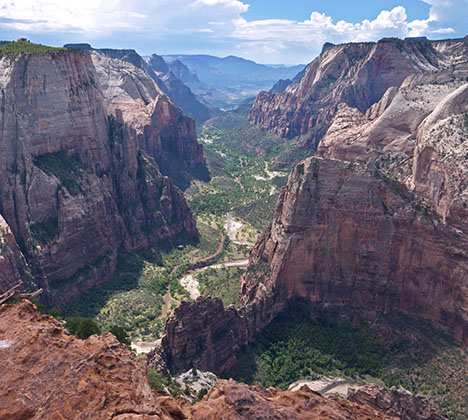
[74, 187]
[356, 74]
[344, 236]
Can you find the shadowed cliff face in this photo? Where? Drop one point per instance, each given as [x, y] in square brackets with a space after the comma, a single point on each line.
[342, 236]
[49, 374]
[357, 75]
[74, 185]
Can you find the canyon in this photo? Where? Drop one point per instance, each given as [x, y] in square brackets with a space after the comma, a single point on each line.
[377, 221]
[83, 167]
[49, 374]
[94, 152]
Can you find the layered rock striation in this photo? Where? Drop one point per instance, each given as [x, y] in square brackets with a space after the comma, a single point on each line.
[167, 80]
[76, 184]
[343, 236]
[356, 75]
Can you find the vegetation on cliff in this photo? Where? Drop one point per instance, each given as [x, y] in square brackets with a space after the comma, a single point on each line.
[24, 46]
[392, 350]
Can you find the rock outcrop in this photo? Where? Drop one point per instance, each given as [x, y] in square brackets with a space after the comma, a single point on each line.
[342, 235]
[387, 132]
[162, 131]
[13, 269]
[440, 165]
[238, 401]
[157, 69]
[76, 185]
[205, 334]
[49, 374]
[394, 402]
[357, 75]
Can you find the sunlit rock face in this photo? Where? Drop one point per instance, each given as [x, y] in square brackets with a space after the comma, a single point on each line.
[357, 75]
[77, 180]
[343, 235]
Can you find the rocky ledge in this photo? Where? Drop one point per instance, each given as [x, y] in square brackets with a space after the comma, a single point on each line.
[49, 374]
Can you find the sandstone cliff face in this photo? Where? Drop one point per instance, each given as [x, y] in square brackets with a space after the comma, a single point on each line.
[399, 403]
[13, 268]
[357, 75]
[49, 374]
[75, 186]
[207, 335]
[343, 236]
[161, 129]
[388, 130]
[440, 165]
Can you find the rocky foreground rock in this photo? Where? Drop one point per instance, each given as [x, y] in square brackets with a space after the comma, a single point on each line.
[82, 152]
[49, 374]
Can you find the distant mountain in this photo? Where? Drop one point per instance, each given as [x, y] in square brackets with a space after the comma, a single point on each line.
[179, 92]
[227, 81]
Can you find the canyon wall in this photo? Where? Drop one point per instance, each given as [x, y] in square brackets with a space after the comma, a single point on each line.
[343, 235]
[355, 74]
[76, 184]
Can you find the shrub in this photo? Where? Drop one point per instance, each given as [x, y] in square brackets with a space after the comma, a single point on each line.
[82, 327]
[120, 334]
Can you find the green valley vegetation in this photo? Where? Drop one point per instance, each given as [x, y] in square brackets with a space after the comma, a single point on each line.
[393, 350]
[222, 282]
[82, 327]
[134, 297]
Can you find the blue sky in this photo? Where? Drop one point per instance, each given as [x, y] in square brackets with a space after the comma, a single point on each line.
[267, 31]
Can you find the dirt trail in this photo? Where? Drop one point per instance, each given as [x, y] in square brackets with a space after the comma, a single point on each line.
[198, 262]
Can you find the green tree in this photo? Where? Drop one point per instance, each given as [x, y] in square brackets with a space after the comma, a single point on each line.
[120, 334]
[87, 328]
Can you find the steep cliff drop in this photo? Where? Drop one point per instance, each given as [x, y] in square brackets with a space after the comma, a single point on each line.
[77, 182]
[49, 374]
[342, 236]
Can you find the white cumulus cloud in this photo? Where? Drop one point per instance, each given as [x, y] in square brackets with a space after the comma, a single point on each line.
[213, 26]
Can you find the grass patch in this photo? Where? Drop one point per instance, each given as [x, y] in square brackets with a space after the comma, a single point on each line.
[46, 231]
[259, 212]
[223, 283]
[24, 46]
[67, 169]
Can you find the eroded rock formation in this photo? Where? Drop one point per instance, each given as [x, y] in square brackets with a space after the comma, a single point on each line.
[49, 374]
[357, 75]
[75, 185]
[207, 335]
[395, 402]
